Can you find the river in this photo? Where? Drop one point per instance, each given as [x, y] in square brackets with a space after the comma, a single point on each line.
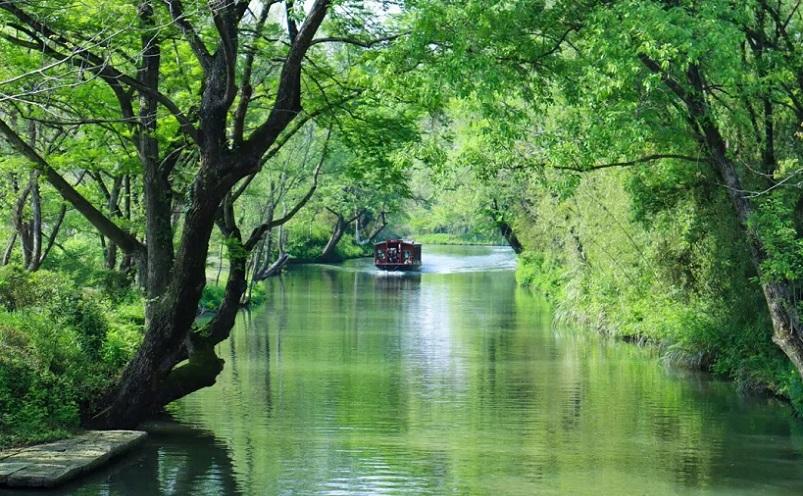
[452, 381]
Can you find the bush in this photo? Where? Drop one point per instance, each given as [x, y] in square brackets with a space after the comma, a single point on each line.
[213, 295]
[258, 295]
[59, 347]
[88, 319]
[41, 373]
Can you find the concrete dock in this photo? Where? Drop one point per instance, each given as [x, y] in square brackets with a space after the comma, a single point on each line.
[52, 464]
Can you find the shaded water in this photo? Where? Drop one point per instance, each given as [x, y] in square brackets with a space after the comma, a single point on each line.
[452, 381]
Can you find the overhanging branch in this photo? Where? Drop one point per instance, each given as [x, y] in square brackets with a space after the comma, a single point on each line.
[627, 163]
[359, 43]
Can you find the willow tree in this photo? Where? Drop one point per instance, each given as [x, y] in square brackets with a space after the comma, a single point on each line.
[206, 93]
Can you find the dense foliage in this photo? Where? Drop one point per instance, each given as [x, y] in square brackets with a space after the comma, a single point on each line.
[61, 346]
[149, 147]
[646, 154]
[161, 158]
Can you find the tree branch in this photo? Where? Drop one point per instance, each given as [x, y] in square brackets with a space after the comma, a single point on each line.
[288, 97]
[123, 239]
[641, 160]
[246, 88]
[176, 9]
[260, 231]
[56, 228]
[359, 43]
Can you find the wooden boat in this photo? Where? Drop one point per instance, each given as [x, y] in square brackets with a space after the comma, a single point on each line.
[397, 254]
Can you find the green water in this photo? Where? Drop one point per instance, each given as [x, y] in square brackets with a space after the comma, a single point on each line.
[452, 381]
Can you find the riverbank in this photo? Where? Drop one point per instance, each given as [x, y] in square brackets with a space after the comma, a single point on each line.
[734, 344]
[446, 239]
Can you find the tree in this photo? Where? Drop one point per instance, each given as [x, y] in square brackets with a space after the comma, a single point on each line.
[590, 86]
[370, 157]
[707, 91]
[198, 130]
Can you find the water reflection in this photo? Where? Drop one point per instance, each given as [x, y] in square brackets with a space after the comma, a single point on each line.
[392, 282]
[353, 382]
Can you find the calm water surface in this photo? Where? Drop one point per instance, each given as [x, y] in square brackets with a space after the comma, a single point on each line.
[452, 381]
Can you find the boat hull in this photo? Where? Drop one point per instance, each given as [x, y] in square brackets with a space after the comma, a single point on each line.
[394, 267]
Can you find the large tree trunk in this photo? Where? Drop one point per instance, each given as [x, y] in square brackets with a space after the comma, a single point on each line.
[780, 296]
[203, 366]
[158, 197]
[172, 300]
[141, 390]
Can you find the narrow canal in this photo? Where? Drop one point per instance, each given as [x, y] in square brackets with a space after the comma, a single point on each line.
[451, 381]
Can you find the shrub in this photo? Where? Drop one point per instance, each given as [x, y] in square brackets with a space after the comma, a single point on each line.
[213, 295]
[59, 347]
[42, 374]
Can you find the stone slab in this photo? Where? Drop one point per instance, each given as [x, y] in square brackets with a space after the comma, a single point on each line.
[52, 464]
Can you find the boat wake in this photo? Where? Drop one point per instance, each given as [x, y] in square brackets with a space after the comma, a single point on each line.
[443, 260]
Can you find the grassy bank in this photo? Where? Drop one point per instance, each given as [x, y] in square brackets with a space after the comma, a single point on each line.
[646, 259]
[729, 339]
